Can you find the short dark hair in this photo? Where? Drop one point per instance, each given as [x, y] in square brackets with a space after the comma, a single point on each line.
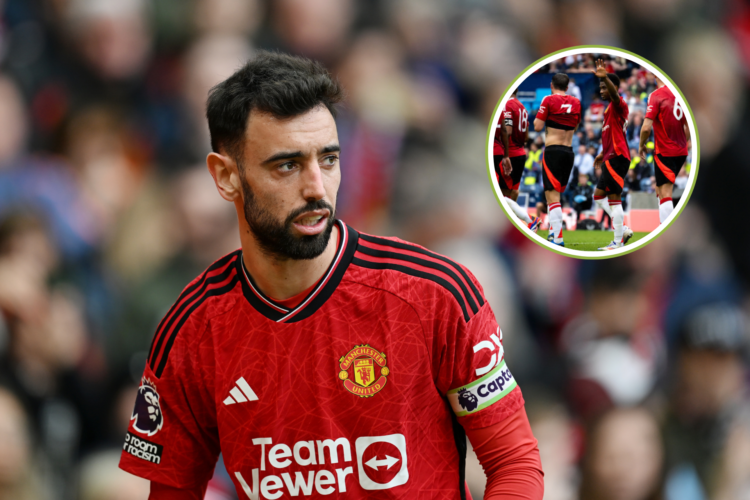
[560, 81]
[271, 82]
[615, 79]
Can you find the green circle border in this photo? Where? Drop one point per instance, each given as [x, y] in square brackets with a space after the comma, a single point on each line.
[514, 220]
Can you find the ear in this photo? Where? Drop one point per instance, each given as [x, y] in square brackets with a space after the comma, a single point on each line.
[226, 175]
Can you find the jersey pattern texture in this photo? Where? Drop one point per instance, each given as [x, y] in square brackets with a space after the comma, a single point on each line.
[560, 111]
[361, 391]
[613, 130]
[669, 121]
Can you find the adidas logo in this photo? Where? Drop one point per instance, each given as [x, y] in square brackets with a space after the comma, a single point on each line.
[241, 393]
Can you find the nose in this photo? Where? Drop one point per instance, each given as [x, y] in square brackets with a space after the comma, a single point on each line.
[313, 188]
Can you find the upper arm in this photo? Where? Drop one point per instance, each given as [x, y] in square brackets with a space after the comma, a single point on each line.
[543, 110]
[172, 437]
[652, 109]
[472, 371]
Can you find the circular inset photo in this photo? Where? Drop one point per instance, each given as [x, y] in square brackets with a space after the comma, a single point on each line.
[592, 152]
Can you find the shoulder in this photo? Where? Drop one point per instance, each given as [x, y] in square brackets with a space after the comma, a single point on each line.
[423, 278]
[207, 296]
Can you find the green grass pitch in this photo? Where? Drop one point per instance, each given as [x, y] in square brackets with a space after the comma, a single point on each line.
[590, 240]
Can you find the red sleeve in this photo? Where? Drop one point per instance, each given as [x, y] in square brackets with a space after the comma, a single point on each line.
[173, 438]
[163, 492]
[509, 455]
[473, 373]
[653, 107]
[543, 109]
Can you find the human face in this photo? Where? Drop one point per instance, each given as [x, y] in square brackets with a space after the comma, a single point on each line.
[290, 177]
[603, 90]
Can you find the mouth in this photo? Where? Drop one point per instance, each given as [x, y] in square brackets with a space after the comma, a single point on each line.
[311, 223]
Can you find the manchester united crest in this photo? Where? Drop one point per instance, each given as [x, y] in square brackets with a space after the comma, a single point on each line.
[364, 371]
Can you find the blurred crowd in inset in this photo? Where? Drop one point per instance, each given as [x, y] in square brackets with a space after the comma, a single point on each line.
[636, 85]
[634, 370]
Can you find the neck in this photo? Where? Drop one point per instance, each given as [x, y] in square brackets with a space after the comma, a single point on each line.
[283, 278]
[558, 91]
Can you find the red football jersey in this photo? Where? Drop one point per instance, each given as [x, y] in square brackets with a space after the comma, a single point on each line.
[497, 147]
[669, 120]
[613, 131]
[358, 389]
[560, 111]
[514, 115]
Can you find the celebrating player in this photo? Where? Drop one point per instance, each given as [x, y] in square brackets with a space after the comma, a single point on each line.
[614, 160]
[667, 119]
[561, 113]
[510, 136]
[318, 359]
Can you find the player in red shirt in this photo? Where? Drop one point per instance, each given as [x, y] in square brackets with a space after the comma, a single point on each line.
[667, 119]
[319, 360]
[511, 134]
[562, 114]
[614, 159]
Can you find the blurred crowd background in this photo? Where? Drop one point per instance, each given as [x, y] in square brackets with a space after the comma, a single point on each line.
[636, 85]
[634, 370]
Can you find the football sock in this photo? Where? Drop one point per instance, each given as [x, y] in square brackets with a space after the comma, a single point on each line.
[555, 220]
[602, 202]
[520, 212]
[617, 219]
[665, 208]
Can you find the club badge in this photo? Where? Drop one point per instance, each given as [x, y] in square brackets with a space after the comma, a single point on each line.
[364, 371]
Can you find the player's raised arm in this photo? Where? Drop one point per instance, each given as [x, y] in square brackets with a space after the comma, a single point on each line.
[601, 73]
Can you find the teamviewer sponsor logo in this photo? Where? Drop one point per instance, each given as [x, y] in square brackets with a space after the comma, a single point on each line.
[381, 463]
[145, 450]
[367, 465]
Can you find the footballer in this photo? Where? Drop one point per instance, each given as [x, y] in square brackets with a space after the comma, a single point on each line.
[667, 119]
[614, 160]
[561, 113]
[318, 360]
[511, 134]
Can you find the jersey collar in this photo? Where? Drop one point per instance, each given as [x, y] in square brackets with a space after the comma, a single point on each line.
[317, 296]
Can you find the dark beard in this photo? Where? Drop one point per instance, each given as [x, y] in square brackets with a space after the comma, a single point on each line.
[276, 239]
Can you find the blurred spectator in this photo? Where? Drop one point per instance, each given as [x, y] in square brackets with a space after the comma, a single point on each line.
[707, 432]
[624, 457]
[102, 479]
[632, 181]
[19, 478]
[574, 89]
[582, 195]
[613, 337]
[584, 160]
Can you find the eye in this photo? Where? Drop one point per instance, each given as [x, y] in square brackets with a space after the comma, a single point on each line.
[286, 167]
[330, 161]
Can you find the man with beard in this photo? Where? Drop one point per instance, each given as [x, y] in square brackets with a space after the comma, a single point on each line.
[318, 359]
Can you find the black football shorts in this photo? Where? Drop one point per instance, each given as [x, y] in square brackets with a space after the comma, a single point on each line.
[557, 163]
[614, 171]
[667, 168]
